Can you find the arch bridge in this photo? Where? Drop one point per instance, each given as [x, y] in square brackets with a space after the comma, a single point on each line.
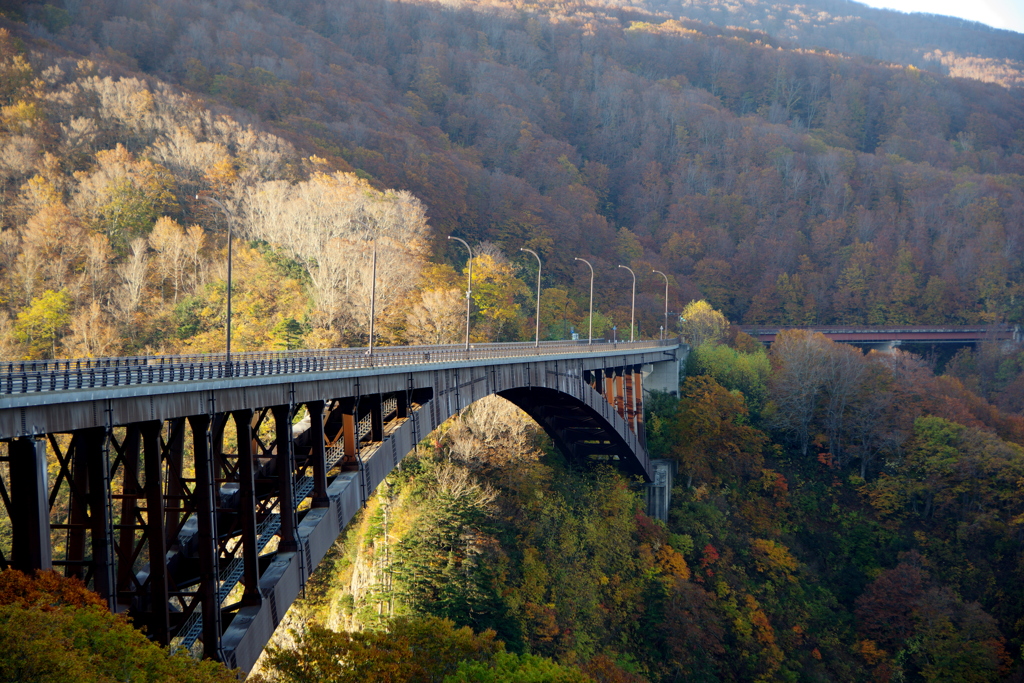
[198, 493]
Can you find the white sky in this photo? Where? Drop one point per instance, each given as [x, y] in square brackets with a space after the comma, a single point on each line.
[1008, 14]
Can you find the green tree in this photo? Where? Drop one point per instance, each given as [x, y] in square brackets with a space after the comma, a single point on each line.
[659, 413]
[508, 667]
[735, 370]
[558, 313]
[131, 210]
[129, 194]
[712, 442]
[288, 334]
[928, 630]
[439, 566]
[411, 650]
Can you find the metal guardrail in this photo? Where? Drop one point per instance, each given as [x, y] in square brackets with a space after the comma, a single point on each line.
[19, 377]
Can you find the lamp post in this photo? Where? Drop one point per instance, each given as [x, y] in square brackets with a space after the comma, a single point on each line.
[632, 308]
[469, 285]
[590, 333]
[665, 326]
[373, 297]
[536, 341]
[231, 221]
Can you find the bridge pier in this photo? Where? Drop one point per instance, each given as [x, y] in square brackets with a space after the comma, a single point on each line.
[658, 494]
[664, 376]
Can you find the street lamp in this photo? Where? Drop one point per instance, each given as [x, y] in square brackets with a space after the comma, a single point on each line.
[231, 221]
[665, 326]
[469, 285]
[632, 309]
[373, 297]
[536, 341]
[590, 334]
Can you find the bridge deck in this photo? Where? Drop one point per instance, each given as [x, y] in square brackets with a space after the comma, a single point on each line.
[60, 375]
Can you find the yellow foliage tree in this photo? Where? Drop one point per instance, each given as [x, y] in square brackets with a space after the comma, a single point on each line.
[496, 291]
[42, 323]
[702, 323]
[263, 301]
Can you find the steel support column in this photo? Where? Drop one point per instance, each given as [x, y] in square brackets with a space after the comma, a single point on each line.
[94, 442]
[78, 506]
[206, 518]
[30, 525]
[376, 418]
[619, 393]
[285, 479]
[159, 590]
[130, 494]
[247, 508]
[402, 404]
[628, 395]
[638, 392]
[175, 489]
[348, 434]
[317, 454]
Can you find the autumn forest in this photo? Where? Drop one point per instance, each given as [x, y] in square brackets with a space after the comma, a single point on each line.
[838, 515]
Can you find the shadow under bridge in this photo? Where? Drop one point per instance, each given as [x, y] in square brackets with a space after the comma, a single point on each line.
[198, 496]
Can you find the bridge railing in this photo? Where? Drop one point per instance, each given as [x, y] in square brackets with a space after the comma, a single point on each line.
[18, 377]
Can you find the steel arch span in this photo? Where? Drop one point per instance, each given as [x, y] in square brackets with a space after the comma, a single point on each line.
[199, 498]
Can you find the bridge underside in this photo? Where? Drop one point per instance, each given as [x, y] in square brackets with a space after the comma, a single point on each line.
[202, 512]
[577, 429]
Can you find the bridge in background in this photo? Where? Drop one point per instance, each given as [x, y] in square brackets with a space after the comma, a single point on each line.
[890, 336]
[198, 495]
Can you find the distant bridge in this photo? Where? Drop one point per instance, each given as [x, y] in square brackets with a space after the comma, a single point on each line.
[125, 472]
[895, 335]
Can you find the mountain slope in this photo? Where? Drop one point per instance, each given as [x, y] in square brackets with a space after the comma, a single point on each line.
[946, 45]
[782, 185]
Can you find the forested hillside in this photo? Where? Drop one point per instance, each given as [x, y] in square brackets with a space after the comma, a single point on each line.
[948, 45]
[837, 517]
[782, 185]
